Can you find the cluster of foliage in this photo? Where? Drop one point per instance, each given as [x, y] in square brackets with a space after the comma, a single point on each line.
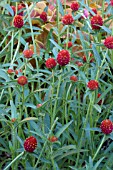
[56, 85]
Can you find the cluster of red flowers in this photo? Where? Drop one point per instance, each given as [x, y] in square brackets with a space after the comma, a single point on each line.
[63, 59]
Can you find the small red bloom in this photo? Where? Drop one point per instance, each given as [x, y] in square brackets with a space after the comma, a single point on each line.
[70, 44]
[63, 57]
[111, 2]
[79, 63]
[100, 101]
[67, 19]
[22, 80]
[30, 144]
[75, 6]
[20, 6]
[109, 42]
[52, 139]
[106, 126]
[90, 55]
[39, 105]
[17, 71]
[92, 85]
[10, 71]
[94, 10]
[73, 78]
[43, 16]
[96, 22]
[14, 9]
[50, 63]
[28, 53]
[13, 120]
[18, 21]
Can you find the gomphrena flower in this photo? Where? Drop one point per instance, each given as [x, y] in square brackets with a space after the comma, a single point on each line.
[106, 126]
[79, 63]
[92, 85]
[30, 144]
[67, 19]
[10, 71]
[96, 22]
[94, 10]
[75, 6]
[100, 101]
[109, 42]
[63, 57]
[43, 16]
[73, 78]
[22, 80]
[39, 105]
[50, 63]
[28, 53]
[111, 2]
[18, 21]
[69, 45]
[19, 8]
[53, 139]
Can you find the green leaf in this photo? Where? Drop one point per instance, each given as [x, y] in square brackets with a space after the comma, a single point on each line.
[62, 129]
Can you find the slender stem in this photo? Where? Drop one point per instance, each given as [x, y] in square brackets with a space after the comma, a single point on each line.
[14, 160]
[103, 3]
[32, 34]
[58, 21]
[55, 105]
[46, 142]
[85, 124]
[103, 139]
[18, 45]
[98, 71]
[67, 40]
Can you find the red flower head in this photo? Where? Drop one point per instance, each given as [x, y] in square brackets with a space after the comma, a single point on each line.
[94, 10]
[18, 21]
[79, 63]
[106, 126]
[14, 9]
[10, 71]
[39, 105]
[22, 80]
[100, 101]
[50, 63]
[63, 57]
[96, 22]
[20, 6]
[73, 78]
[109, 42]
[75, 6]
[111, 2]
[52, 139]
[70, 44]
[92, 85]
[43, 16]
[30, 144]
[18, 71]
[67, 19]
[28, 53]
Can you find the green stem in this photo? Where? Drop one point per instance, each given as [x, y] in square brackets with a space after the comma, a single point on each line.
[46, 142]
[85, 124]
[98, 71]
[14, 160]
[58, 21]
[67, 40]
[55, 105]
[32, 34]
[103, 139]
[18, 45]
